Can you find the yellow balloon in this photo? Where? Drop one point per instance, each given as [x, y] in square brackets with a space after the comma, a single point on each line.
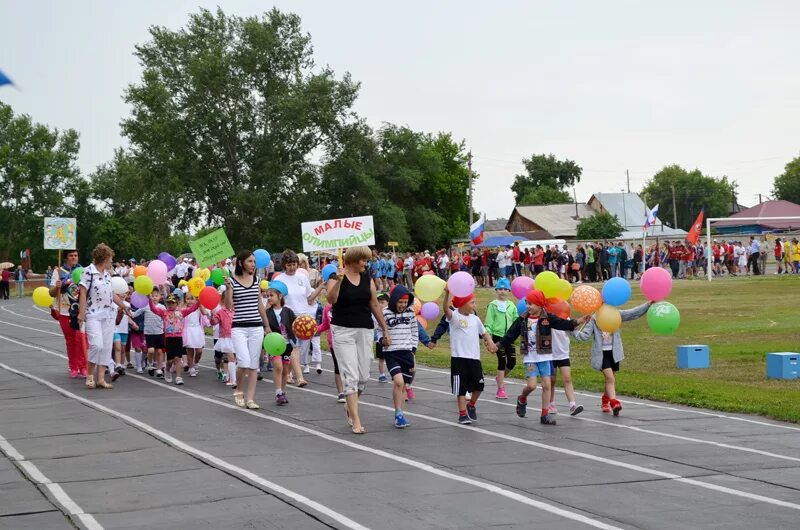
[143, 285]
[205, 274]
[429, 287]
[182, 283]
[608, 318]
[563, 290]
[196, 285]
[547, 282]
[41, 297]
[264, 285]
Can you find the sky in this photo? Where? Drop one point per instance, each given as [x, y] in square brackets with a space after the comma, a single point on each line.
[613, 86]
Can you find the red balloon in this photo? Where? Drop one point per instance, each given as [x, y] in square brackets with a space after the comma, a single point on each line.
[209, 297]
[558, 307]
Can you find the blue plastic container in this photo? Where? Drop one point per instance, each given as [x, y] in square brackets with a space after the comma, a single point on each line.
[693, 356]
[782, 365]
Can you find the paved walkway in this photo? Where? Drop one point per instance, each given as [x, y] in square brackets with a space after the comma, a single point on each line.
[151, 454]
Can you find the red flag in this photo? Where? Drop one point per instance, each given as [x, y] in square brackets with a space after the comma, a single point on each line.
[697, 228]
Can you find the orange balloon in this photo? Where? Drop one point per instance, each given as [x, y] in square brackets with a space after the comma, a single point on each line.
[558, 307]
[586, 299]
[417, 307]
[139, 270]
[421, 320]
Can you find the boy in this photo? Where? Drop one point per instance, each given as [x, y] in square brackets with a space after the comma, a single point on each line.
[153, 335]
[535, 329]
[466, 371]
[383, 301]
[500, 315]
[399, 355]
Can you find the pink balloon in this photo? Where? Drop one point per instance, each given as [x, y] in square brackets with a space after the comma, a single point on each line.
[139, 300]
[461, 284]
[429, 310]
[656, 284]
[157, 270]
[520, 286]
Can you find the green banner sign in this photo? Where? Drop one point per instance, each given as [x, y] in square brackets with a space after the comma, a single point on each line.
[211, 249]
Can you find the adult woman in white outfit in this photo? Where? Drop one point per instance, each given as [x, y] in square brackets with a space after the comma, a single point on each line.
[248, 328]
[97, 313]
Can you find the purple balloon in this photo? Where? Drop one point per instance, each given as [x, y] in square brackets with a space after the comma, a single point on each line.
[461, 284]
[429, 310]
[139, 300]
[168, 260]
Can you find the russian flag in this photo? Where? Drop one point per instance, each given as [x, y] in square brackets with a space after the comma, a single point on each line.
[476, 232]
[652, 215]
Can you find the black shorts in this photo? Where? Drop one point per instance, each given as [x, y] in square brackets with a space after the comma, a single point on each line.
[379, 350]
[174, 347]
[466, 375]
[716, 261]
[335, 362]
[286, 358]
[400, 362]
[154, 341]
[608, 361]
[559, 363]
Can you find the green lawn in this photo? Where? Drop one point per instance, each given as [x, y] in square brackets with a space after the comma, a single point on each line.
[741, 320]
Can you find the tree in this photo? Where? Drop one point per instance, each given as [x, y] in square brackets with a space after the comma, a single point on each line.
[693, 191]
[545, 171]
[38, 175]
[601, 225]
[787, 185]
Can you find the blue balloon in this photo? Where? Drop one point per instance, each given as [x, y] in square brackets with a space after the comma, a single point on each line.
[210, 283]
[616, 291]
[328, 271]
[262, 258]
[522, 306]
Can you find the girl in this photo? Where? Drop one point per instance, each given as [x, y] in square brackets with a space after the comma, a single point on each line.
[223, 319]
[194, 338]
[500, 315]
[173, 322]
[323, 327]
[121, 338]
[281, 320]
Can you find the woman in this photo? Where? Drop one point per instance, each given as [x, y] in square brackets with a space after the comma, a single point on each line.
[5, 283]
[97, 312]
[354, 301]
[249, 326]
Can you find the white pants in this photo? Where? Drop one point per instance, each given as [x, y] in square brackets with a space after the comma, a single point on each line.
[247, 345]
[313, 345]
[100, 334]
[353, 348]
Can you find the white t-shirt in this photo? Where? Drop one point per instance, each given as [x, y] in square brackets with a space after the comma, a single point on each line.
[560, 344]
[299, 291]
[504, 258]
[122, 327]
[465, 336]
[100, 298]
[444, 261]
[532, 355]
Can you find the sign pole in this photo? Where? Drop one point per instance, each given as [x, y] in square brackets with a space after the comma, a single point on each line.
[58, 269]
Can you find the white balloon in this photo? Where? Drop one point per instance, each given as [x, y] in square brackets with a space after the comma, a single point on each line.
[119, 285]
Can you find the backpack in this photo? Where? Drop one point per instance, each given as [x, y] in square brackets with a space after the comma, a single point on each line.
[73, 295]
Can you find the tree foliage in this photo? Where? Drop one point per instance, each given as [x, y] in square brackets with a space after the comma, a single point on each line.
[601, 225]
[787, 185]
[693, 191]
[545, 171]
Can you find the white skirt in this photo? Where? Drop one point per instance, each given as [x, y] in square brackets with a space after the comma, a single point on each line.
[224, 345]
[193, 337]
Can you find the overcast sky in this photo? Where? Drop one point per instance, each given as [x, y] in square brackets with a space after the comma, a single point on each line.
[612, 85]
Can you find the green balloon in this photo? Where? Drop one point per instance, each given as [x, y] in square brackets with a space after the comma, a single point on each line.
[76, 275]
[217, 277]
[274, 344]
[663, 318]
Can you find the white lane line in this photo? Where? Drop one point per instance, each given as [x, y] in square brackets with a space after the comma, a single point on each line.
[408, 461]
[570, 452]
[65, 502]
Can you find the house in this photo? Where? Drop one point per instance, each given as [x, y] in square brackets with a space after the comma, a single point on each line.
[552, 221]
[631, 211]
[766, 209]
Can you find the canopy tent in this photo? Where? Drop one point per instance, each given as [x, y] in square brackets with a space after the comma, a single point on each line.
[501, 241]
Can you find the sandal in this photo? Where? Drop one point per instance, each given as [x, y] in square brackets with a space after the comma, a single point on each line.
[360, 430]
[90, 382]
[252, 405]
[103, 384]
[238, 398]
[302, 383]
[347, 413]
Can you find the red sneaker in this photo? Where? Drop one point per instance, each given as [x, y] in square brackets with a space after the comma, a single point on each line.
[616, 406]
[604, 406]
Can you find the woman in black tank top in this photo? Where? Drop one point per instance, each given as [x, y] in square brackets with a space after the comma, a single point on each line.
[354, 303]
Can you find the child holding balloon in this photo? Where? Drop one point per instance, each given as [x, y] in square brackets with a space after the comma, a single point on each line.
[173, 322]
[194, 338]
[281, 319]
[500, 315]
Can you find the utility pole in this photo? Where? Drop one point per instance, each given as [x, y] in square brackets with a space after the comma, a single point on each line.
[628, 177]
[624, 210]
[759, 198]
[674, 209]
[469, 189]
[575, 197]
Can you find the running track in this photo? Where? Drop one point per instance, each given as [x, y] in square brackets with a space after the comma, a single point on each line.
[152, 454]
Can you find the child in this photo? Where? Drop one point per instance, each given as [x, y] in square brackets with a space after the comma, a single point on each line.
[281, 319]
[607, 353]
[466, 371]
[325, 326]
[535, 329]
[120, 339]
[136, 341]
[314, 343]
[153, 335]
[383, 301]
[223, 320]
[561, 363]
[194, 338]
[399, 355]
[500, 315]
[172, 318]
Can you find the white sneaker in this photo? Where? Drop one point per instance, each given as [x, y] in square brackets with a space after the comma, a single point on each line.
[139, 370]
[306, 370]
[318, 366]
[179, 380]
[168, 377]
[160, 374]
[192, 372]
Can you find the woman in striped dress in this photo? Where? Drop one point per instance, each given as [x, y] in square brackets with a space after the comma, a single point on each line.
[248, 328]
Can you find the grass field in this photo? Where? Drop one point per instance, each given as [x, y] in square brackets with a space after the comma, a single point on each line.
[740, 319]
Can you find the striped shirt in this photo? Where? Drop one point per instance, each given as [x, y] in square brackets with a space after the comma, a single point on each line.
[402, 328]
[153, 325]
[245, 303]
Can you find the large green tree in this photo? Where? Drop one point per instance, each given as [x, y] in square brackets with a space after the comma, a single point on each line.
[545, 180]
[787, 185]
[693, 190]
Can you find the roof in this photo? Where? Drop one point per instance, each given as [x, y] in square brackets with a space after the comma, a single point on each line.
[765, 209]
[557, 219]
[631, 211]
[495, 225]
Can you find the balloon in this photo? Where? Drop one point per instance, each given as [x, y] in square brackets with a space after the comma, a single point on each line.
[429, 288]
[182, 283]
[304, 327]
[76, 275]
[217, 277]
[143, 285]
[520, 286]
[421, 320]
[461, 284]
[139, 300]
[427, 273]
[558, 307]
[119, 285]
[547, 282]
[563, 290]
[616, 291]
[656, 284]
[209, 283]
[417, 306]
[663, 318]
[204, 274]
[157, 270]
[586, 299]
[264, 285]
[608, 318]
[196, 285]
[274, 344]
[262, 258]
[209, 297]
[429, 311]
[522, 307]
[329, 270]
[41, 297]
[302, 272]
[139, 270]
[168, 260]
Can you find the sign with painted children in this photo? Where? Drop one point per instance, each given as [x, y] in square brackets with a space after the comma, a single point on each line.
[338, 233]
[60, 233]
